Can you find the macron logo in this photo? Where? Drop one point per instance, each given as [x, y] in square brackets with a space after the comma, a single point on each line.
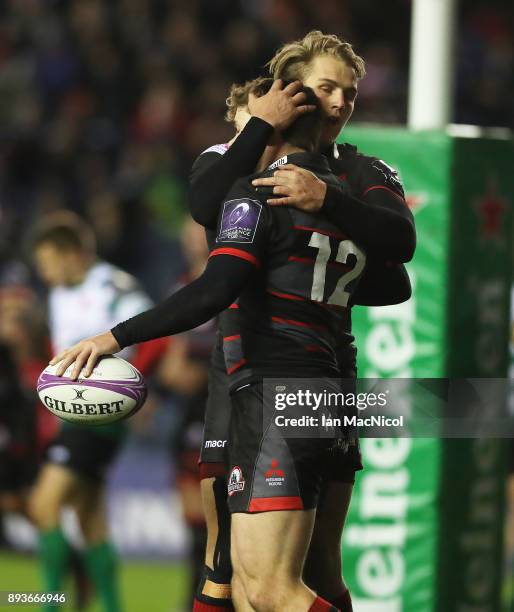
[215, 443]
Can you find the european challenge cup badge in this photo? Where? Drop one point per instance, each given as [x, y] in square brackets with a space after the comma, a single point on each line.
[239, 220]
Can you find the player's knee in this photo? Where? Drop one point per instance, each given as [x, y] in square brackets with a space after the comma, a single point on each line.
[267, 595]
[238, 591]
[264, 591]
[44, 509]
[92, 521]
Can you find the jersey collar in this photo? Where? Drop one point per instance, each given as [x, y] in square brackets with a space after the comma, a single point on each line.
[338, 151]
[315, 161]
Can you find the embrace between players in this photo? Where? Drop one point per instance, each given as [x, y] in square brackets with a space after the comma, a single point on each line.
[300, 230]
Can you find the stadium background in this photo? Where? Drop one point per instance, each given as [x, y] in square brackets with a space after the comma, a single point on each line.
[104, 106]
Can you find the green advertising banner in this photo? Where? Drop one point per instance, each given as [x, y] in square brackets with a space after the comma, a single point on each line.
[425, 519]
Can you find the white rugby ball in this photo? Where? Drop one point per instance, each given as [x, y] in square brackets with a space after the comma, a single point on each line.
[114, 391]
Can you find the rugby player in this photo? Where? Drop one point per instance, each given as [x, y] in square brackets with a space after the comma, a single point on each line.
[377, 218]
[226, 281]
[265, 544]
[398, 235]
[86, 295]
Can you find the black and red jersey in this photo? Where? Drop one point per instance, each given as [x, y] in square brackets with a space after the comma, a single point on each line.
[365, 174]
[312, 269]
[367, 178]
[294, 315]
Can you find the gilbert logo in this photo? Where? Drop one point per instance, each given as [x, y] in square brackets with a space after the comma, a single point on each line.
[80, 394]
[236, 481]
[275, 477]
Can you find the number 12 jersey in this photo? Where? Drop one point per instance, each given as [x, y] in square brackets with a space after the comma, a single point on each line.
[293, 317]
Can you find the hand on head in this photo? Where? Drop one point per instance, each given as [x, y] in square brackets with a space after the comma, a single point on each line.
[280, 106]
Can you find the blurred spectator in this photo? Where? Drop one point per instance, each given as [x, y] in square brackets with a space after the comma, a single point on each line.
[24, 331]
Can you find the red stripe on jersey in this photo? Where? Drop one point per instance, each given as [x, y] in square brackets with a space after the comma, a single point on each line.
[373, 187]
[233, 306]
[307, 260]
[330, 306]
[287, 296]
[231, 338]
[331, 264]
[235, 367]
[263, 504]
[237, 253]
[304, 228]
[314, 348]
[298, 323]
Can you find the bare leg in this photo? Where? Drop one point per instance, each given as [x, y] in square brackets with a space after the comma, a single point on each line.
[270, 549]
[323, 571]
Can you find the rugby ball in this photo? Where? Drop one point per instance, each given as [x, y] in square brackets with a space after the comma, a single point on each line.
[114, 391]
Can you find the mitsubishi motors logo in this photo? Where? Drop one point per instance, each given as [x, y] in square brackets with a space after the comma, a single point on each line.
[275, 477]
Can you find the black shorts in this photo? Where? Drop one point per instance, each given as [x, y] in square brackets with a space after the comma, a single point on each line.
[84, 451]
[217, 417]
[187, 440]
[339, 466]
[269, 471]
[17, 474]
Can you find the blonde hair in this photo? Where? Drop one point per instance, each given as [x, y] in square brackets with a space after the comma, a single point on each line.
[239, 94]
[291, 60]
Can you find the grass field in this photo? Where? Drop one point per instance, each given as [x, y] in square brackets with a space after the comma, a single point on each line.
[146, 586]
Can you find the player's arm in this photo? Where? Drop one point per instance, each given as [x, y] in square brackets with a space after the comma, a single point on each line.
[219, 285]
[382, 285]
[240, 243]
[377, 219]
[238, 252]
[212, 174]
[129, 301]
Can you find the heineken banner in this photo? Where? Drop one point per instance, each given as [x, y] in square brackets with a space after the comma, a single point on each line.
[424, 531]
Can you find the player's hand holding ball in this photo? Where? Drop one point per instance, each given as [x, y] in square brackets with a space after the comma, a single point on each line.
[85, 354]
[86, 384]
